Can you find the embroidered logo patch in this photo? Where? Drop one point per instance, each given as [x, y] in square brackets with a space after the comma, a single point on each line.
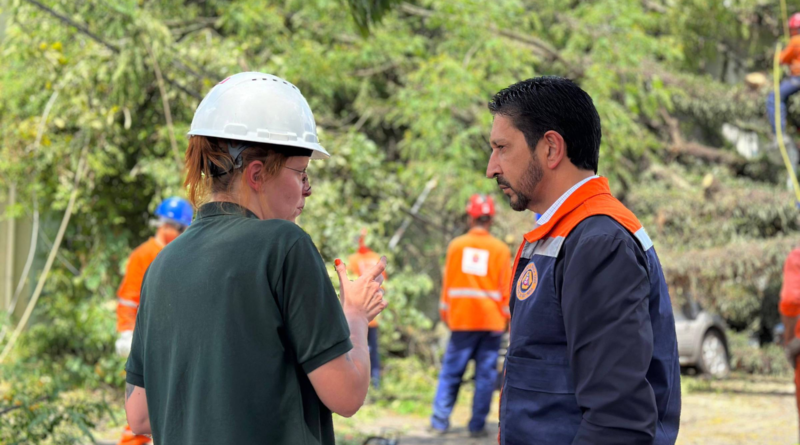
[527, 281]
[475, 261]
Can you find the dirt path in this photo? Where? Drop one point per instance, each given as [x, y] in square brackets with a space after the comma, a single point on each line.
[742, 410]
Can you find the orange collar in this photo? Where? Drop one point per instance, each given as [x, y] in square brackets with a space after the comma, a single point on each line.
[594, 187]
[478, 231]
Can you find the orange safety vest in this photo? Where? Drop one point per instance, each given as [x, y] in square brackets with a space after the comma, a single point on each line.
[359, 263]
[476, 284]
[131, 287]
[791, 55]
[789, 305]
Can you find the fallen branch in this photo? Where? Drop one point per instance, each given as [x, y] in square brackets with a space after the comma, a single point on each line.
[708, 154]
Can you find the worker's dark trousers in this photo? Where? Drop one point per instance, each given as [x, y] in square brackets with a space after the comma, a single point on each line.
[374, 357]
[788, 87]
[481, 346]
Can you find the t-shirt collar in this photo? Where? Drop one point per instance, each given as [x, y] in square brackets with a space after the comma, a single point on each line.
[217, 208]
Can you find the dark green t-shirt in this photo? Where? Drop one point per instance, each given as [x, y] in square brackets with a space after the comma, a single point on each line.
[234, 314]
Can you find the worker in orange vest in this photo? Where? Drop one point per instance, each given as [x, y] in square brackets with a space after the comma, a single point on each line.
[474, 305]
[789, 86]
[789, 308]
[359, 263]
[174, 216]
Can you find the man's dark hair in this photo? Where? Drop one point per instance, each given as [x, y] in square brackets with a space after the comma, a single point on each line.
[483, 220]
[536, 106]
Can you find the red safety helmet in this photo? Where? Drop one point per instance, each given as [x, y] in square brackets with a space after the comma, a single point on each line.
[480, 205]
[794, 21]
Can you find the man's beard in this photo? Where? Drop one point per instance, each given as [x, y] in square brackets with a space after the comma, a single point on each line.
[520, 199]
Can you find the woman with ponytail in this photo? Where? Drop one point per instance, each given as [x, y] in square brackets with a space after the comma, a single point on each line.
[240, 337]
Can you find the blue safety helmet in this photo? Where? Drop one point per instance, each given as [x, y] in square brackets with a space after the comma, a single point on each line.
[176, 209]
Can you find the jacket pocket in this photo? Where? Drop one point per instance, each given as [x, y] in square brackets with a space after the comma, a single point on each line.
[539, 375]
[539, 405]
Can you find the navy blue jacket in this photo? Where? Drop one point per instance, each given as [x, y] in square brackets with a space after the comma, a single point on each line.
[593, 354]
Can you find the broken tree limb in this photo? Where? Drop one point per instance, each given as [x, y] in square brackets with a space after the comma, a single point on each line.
[414, 210]
[681, 147]
[708, 154]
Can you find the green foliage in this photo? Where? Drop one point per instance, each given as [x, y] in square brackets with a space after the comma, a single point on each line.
[37, 407]
[747, 357]
[407, 386]
[397, 109]
[368, 13]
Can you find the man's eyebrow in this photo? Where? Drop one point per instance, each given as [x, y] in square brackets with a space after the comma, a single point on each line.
[498, 141]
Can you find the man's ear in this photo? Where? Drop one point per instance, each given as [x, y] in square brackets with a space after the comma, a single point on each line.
[555, 148]
[253, 175]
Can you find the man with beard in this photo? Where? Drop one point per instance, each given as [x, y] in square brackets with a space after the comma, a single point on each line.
[593, 355]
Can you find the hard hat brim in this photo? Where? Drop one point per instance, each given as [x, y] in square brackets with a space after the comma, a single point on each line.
[317, 151]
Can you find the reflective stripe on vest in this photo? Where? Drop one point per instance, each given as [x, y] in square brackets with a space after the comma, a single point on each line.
[127, 303]
[461, 292]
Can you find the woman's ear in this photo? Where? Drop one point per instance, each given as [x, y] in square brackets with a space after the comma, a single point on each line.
[253, 174]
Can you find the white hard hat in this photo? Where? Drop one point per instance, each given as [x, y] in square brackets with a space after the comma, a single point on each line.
[258, 107]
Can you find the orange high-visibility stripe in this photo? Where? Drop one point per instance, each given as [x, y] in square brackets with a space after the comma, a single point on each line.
[593, 198]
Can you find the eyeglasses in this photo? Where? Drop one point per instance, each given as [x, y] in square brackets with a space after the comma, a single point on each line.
[304, 178]
[180, 228]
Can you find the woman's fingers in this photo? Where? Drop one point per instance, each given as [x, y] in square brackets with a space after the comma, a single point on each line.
[341, 270]
[376, 270]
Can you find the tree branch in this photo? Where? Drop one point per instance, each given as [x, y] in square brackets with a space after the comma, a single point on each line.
[539, 46]
[366, 72]
[709, 154]
[79, 27]
[12, 408]
[113, 48]
[165, 104]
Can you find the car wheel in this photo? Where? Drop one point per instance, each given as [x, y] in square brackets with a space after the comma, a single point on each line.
[714, 355]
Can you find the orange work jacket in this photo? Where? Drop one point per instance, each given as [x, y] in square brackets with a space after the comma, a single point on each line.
[790, 291]
[131, 287]
[359, 263]
[476, 284]
[791, 55]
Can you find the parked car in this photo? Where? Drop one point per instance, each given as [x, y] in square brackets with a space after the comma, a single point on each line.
[702, 343]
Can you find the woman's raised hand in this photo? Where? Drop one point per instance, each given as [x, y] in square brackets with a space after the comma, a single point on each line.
[363, 296]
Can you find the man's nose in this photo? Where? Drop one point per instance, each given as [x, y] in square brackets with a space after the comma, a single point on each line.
[493, 168]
